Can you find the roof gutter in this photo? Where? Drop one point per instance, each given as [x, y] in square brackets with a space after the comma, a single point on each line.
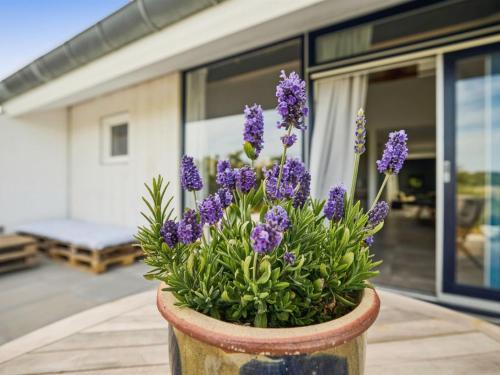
[131, 22]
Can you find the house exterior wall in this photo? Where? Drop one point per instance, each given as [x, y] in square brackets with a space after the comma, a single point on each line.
[33, 167]
[110, 193]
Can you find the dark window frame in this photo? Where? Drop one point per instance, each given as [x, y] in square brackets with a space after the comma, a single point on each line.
[421, 45]
[449, 283]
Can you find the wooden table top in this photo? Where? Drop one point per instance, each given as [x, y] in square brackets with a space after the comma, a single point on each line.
[128, 337]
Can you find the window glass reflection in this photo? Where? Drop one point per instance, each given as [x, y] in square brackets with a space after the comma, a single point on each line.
[215, 98]
[477, 114]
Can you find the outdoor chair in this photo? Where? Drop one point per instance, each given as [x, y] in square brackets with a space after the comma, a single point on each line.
[469, 213]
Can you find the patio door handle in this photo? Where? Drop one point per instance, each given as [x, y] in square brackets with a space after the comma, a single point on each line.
[446, 171]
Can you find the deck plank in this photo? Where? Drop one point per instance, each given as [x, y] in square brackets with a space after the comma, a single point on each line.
[480, 364]
[424, 349]
[383, 332]
[93, 359]
[113, 339]
[146, 370]
[130, 323]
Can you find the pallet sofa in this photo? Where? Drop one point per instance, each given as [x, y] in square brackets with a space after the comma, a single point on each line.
[17, 252]
[89, 246]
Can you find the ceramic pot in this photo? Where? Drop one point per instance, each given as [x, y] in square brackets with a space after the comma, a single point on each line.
[199, 344]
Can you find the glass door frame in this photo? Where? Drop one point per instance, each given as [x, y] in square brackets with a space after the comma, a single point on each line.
[449, 285]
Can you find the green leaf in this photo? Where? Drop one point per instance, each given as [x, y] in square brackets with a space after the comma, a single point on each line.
[377, 228]
[267, 272]
[319, 284]
[282, 285]
[246, 267]
[348, 258]
[263, 212]
[249, 151]
[261, 320]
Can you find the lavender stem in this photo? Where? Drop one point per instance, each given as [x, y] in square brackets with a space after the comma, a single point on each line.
[387, 175]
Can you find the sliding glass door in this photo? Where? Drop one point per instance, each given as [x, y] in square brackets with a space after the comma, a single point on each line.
[472, 173]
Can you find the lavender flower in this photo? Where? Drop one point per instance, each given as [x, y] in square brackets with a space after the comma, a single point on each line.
[271, 181]
[369, 241]
[277, 218]
[225, 174]
[378, 213]
[360, 133]
[265, 238]
[225, 196]
[289, 258]
[189, 229]
[334, 207]
[211, 209]
[289, 140]
[293, 173]
[245, 179]
[169, 233]
[395, 153]
[190, 177]
[254, 128]
[292, 99]
[293, 170]
[304, 190]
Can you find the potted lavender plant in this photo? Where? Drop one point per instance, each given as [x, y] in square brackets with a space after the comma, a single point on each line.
[282, 291]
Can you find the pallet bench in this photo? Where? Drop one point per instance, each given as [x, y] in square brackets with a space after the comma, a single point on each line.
[17, 252]
[85, 245]
[94, 260]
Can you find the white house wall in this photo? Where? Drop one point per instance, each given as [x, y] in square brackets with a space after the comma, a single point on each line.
[33, 167]
[110, 193]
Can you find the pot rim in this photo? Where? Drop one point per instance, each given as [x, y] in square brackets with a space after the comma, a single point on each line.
[270, 341]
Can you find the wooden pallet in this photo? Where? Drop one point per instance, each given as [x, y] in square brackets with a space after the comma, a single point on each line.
[93, 260]
[17, 252]
[43, 243]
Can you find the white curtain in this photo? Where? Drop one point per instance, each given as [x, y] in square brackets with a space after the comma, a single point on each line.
[196, 87]
[344, 43]
[337, 100]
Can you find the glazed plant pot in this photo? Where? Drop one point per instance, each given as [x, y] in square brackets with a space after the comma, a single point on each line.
[199, 344]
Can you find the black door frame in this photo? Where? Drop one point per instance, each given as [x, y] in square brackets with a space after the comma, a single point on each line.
[449, 246]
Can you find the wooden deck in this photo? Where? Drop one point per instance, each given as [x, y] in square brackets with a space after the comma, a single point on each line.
[128, 337]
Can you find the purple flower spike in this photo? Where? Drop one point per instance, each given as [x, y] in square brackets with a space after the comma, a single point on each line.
[190, 177]
[289, 258]
[189, 229]
[169, 233]
[289, 140]
[211, 209]
[292, 100]
[225, 196]
[369, 241]
[271, 181]
[294, 173]
[334, 207]
[265, 238]
[395, 153]
[304, 190]
[360, 133]
[254, 128]
[277, 218]
[245, 179]
[378, 213]
[225, 174]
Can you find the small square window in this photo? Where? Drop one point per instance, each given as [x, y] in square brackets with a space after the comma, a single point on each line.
[115, 138]
[119, 140]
